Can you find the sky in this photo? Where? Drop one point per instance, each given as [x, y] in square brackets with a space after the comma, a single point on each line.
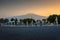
[10, 8]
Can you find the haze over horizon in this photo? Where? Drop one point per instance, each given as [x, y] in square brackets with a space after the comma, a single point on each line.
[10, 8]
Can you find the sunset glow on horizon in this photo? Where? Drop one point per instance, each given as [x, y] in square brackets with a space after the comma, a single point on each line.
[17, 8]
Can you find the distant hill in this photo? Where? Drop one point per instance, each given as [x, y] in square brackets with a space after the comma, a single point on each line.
[33, 16]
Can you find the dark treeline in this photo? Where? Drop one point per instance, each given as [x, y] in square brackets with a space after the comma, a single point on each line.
[29, 21]
[2, 20]
[52, 18]
[15, 21]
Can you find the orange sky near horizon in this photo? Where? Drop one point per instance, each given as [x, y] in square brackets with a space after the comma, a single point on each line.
[41, 8]
[44, 11]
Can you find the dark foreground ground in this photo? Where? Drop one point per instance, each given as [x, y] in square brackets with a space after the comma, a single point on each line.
[30, 33]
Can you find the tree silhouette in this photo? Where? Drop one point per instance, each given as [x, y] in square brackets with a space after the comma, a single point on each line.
[52, 18]
[44, 20]
[6, 20]
[12, 19]
[16, 21]
[1, 20]
[58, 19]
[29, 20]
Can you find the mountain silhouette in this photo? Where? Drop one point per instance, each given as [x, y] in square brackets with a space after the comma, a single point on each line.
[33, 16]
